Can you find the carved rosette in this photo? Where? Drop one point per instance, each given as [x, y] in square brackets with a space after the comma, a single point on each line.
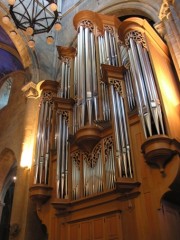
[137, 37]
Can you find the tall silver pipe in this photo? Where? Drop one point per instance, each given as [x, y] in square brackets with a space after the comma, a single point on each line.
[151, 88]
[43, 140]
[68, 81]
[66, 165]
[94, 76]
[62, 79]
[128, 154]
[62, 159]
[38, 142]
[82, 75]
[59, 150]
[144, 110]
[121, 132]
[117, 137]
[47, 144]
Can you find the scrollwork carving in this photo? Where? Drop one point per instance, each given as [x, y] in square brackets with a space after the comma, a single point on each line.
[108, 145]
[92, 158]
[118, 85]
[109, 29]
[87, 24]
[76, 158]
[137, 37]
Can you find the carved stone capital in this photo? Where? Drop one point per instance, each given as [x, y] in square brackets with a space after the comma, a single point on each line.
[165, 9]
[160, 28]
[30, 90]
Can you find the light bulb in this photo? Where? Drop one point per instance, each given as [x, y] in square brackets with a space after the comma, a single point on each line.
[49, 40]
[31, 43]
[57, 26]
[6, 19]
[13, 33]
[53, 7]
[11, 2]
[29, 31]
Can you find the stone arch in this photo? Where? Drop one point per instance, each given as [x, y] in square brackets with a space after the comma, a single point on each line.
[7, 172]
[132, 8]
[27, 57]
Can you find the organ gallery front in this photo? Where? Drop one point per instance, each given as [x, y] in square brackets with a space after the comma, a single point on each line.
[106, 149]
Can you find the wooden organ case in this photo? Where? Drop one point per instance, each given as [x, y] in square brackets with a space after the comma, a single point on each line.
[101, 128]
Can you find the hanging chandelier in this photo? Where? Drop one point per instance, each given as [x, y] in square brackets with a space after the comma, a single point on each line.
[36, 16]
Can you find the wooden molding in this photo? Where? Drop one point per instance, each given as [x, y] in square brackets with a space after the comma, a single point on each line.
[49, 85]
[93, 205]
[160, 149]
[68, 52]
[86, 138]
[124, 185]
[89, 16]
[40, 193]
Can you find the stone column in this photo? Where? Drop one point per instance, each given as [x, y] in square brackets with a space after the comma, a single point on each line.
[19, 217]
[171, 22]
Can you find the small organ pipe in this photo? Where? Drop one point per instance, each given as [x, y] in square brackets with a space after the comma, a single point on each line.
[107, 47]
[111, 49]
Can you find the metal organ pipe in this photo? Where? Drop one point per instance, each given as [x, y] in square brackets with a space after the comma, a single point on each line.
[121, 133]
[147, 96]
[43, 141]
[142, 100]
[153, 97]
[62, 155]
[75, 175]
[128, 78]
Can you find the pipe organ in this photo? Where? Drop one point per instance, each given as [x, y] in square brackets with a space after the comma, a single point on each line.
[107, 100]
